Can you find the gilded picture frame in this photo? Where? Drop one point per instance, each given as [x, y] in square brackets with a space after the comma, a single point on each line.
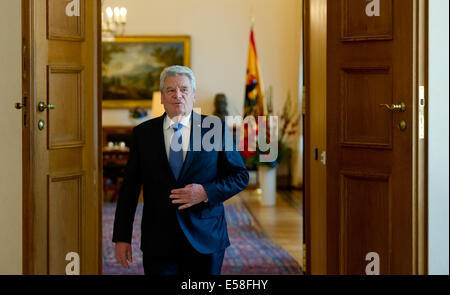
[131, 66]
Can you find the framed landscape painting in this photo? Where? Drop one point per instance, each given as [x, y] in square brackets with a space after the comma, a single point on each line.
[131, 67]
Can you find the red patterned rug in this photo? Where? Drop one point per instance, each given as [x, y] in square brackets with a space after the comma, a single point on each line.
[251, 251]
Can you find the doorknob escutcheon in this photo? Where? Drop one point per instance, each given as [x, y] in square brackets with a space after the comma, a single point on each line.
[402, 125]
[42, 106]
[41, 125]
[395, 107]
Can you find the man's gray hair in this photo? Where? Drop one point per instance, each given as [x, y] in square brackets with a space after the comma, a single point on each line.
[177, 71]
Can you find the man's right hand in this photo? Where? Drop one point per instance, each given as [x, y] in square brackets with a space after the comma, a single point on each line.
[124, 254]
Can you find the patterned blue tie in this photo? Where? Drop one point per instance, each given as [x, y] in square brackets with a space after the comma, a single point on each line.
[176, 151]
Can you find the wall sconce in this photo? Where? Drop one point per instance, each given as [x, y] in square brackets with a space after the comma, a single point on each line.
[113, 22]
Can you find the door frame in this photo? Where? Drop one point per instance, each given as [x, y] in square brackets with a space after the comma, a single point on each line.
[99, 136]
[28, 140]
[314, 264]
[27, 137]
[315, 221]
[420, 146]
[306, 136]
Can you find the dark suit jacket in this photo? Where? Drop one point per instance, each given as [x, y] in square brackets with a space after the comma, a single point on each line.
[222, 174]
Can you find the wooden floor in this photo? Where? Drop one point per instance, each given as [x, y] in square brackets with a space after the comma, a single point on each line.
[282, 223]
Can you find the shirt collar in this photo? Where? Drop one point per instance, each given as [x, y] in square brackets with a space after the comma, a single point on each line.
[186, 122]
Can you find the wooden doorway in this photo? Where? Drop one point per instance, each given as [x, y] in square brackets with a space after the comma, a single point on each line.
[368, 54]
[61, 206]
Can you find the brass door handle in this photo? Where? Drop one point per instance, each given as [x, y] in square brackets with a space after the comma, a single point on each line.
[395, 107]
[42, 106]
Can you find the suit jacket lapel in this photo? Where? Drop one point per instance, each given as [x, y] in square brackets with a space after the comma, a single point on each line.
[162, 146]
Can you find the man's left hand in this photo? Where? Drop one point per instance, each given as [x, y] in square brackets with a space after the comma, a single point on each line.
[190, 195]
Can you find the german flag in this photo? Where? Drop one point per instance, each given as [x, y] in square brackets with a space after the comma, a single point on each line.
[254, 97]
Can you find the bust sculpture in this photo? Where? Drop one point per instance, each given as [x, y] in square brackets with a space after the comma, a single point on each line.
[220, 104]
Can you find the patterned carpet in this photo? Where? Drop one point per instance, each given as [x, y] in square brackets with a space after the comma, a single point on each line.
[251, 251]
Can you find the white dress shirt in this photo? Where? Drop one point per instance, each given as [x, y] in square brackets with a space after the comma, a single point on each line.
[185, 133]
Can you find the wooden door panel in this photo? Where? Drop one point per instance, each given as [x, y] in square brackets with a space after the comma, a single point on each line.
[65, 211]
[365, 220]
[66, 159]
[363, 122]
[65, 87]
[62, 27]
[65, 201]
[369, 159]
[357, 26]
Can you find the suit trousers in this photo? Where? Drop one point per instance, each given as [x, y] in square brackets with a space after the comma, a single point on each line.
[184, 261]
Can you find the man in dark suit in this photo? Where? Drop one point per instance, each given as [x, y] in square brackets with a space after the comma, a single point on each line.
[184, 229]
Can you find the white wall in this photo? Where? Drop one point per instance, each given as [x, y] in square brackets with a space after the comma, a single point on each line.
[11, 135]
[438, 141]
[219, 31]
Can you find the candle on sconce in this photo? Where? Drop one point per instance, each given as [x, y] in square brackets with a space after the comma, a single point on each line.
[123, 15]
[109, 14]
[117, 14]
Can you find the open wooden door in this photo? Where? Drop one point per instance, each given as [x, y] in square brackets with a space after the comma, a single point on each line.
[62, 213]
[371, 95]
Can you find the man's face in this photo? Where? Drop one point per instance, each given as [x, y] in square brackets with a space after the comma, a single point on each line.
[177, 96]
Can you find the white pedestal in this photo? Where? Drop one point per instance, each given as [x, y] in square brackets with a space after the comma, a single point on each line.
[267, 177]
